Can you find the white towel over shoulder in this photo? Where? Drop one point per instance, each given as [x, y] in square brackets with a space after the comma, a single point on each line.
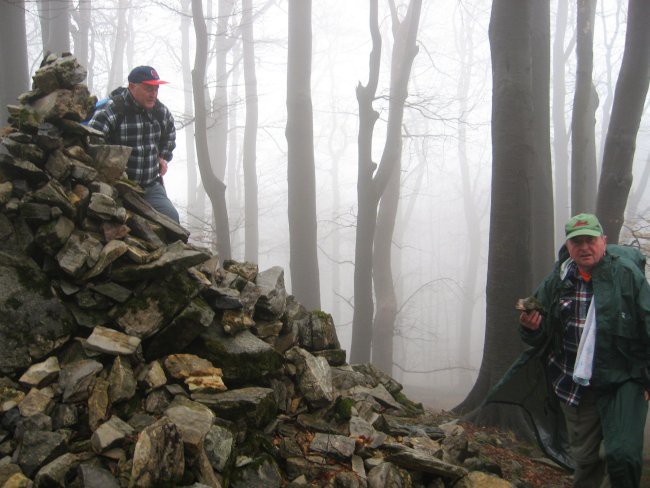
[585, 356]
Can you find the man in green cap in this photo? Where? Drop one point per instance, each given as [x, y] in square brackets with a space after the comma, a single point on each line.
[592, 331]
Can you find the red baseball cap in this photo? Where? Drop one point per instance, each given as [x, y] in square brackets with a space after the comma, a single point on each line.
[146, 75]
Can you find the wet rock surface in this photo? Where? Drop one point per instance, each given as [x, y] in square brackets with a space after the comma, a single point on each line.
[130, 358]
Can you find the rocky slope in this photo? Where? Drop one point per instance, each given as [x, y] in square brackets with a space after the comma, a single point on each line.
[129, 357]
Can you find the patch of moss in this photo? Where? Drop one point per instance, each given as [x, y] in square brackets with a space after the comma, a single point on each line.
[411, 406]
[343, 409]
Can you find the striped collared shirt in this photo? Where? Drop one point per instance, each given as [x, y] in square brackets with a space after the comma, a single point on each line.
[151, 135]
[574, 304]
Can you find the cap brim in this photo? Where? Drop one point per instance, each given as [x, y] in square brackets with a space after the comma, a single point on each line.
[154, 82]
[584, 232]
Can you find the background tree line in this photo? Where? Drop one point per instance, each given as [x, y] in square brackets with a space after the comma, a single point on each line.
[410, 163]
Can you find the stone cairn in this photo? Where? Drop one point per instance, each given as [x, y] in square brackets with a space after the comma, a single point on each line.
[131, 358]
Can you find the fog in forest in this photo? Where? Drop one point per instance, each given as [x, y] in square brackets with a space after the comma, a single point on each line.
[439, 245]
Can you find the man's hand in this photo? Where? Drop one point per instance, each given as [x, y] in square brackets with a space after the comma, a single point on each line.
[530, 320]
[646, 395]
[163, 166]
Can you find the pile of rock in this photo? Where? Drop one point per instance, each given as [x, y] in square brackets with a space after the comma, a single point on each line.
[131, 358]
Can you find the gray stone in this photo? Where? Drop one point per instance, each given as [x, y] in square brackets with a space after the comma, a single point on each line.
[479, 479]
[38, 448]
[51, 237]
[109, 341]
[76, 379]
[176, 257]
[33, 321]
[122, 381]
[192, 419]
[261, 473]
[182, 330]
[80, 253]
[158, 458]
[93, 476]
[41, 374]
[36, 401]
[98, 403]
[58, 473]
[335, 445]
[109, 434]
[244, 358]
[109, 253]
[385, 475]
[218, 445]
[419, 460]
[314, 376]
[110, 161]
[255, 404]
[54, 195]
[273, 296]
[152, 376]
[319, 333]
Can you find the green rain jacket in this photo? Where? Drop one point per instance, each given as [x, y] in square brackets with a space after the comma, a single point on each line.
[622, 299]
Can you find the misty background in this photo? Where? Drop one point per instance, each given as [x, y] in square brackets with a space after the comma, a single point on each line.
[439, 246]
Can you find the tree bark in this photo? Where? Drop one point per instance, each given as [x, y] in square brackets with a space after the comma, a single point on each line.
[116, 74]
[81, 34]
[629, 99]
[56, 18]
[513, 157]
[367, 202]
[541, 218]
[301, 171]
[585, 102]
[251, 229]
[14, 76]
[214, 186]
[560, 136]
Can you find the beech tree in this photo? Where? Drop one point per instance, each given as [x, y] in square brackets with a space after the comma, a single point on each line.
[585, 102]
[55, 25]
[513, 158]
[629, 99]
[372, 248]
[214, 186]
[299, 132]
[13, 53]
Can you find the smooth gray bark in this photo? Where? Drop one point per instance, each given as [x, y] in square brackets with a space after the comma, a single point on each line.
[55, 25]
[13, 53]
[214, 187]
[560, 135]
[629, 99]
[251, 232]
[513, 157]
[299, 132]
[585, 102]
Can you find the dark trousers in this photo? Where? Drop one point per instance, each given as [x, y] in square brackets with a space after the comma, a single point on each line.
[606, 437]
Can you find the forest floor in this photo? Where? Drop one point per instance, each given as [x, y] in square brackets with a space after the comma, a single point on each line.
[523, 462]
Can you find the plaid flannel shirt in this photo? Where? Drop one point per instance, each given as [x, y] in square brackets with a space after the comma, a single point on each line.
[574, 304]
[141, 130]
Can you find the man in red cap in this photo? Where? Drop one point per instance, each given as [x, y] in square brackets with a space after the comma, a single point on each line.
[135, 117]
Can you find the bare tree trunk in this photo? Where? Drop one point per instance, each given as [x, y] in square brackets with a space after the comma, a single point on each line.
[251, 232]
[56, 20]
[560, 136]
[194, 212]
[233, 167]
[541, 217]
[367, 202]
[371, 188]
[513, 157]
[14, 77]
[465, 45]
[636, 196]
[214, 186]
[608, 42]
[585, 102]
[301, 171]
[631, 91]
[382, 275]
[81, 34]
[116, 74]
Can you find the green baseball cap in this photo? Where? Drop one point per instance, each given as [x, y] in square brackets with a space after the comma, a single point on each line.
[583, 225]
